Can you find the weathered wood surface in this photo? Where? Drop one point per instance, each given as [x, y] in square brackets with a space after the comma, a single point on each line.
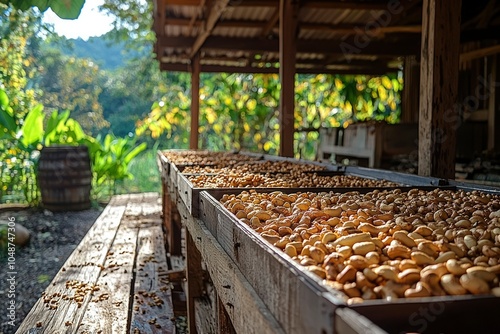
[411, 96]
[169, 209]
[439, 115]
[206, 311]
[92, 292]
[113, 297]
[288, 19]
[244, 307]
[194, 275]
[152, 310]
[205, 315]
[54, 312]
[348, 321]
[447, 314]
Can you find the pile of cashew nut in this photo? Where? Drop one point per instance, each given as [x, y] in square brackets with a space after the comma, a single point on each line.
[235, 178]
[258, 166]
[204, 157]
[385, 244]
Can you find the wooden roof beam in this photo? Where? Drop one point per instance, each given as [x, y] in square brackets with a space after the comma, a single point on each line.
[409, 46]
[360, 29]
[272, 70]
[194, 19]
[182, 2]
[225, 23]
[214, 15]
[338, 4]
[268, 25]
[327, 61]
[325, 4]
[159, 17]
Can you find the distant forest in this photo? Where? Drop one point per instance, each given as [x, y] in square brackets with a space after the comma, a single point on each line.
[109, 55]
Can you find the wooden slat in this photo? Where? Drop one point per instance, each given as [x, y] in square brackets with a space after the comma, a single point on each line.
[110, 265]
[152, 310]
[438, 88]
[204, 313]
[194, 275]
[83, 265]
[348, 321]
[246, 310]
[109, 312]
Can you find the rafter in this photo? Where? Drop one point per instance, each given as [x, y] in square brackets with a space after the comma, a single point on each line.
[215, 13]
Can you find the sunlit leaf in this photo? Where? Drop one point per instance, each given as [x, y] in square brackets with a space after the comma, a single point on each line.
[32, 128]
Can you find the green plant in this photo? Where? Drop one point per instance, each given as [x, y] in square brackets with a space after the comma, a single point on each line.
[3, 239]
[22, 139]
[111, 157]
[147, 178]
[18, 155]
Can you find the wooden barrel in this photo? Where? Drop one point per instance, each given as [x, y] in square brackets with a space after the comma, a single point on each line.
[65, 177]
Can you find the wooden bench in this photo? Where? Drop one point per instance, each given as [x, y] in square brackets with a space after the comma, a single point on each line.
[116, 280]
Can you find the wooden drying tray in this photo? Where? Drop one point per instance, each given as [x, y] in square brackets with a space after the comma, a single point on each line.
[303, 304]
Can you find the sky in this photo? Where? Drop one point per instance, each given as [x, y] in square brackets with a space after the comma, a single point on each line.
[90, 22]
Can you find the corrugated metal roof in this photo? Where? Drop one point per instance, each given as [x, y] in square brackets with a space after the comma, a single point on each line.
[331, 32]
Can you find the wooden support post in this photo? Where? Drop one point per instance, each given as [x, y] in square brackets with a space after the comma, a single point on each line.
[411, 95]
[438, 87]
[494, 105]
[195, 101]
[194, 277]
[288, 50]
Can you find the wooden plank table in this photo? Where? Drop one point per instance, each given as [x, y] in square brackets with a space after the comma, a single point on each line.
[115, 280]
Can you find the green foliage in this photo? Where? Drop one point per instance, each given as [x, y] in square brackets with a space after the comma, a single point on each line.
[146, 174]
[63, 130]
[20, 145]
[122, 105]
[65, 9]
[16, 27]
[133, 22]
[106, 54]
[110, 158]
[71, 84]
[3, 239]
[240, 111]
[17, 163]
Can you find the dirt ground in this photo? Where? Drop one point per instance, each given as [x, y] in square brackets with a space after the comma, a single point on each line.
[53, 237]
